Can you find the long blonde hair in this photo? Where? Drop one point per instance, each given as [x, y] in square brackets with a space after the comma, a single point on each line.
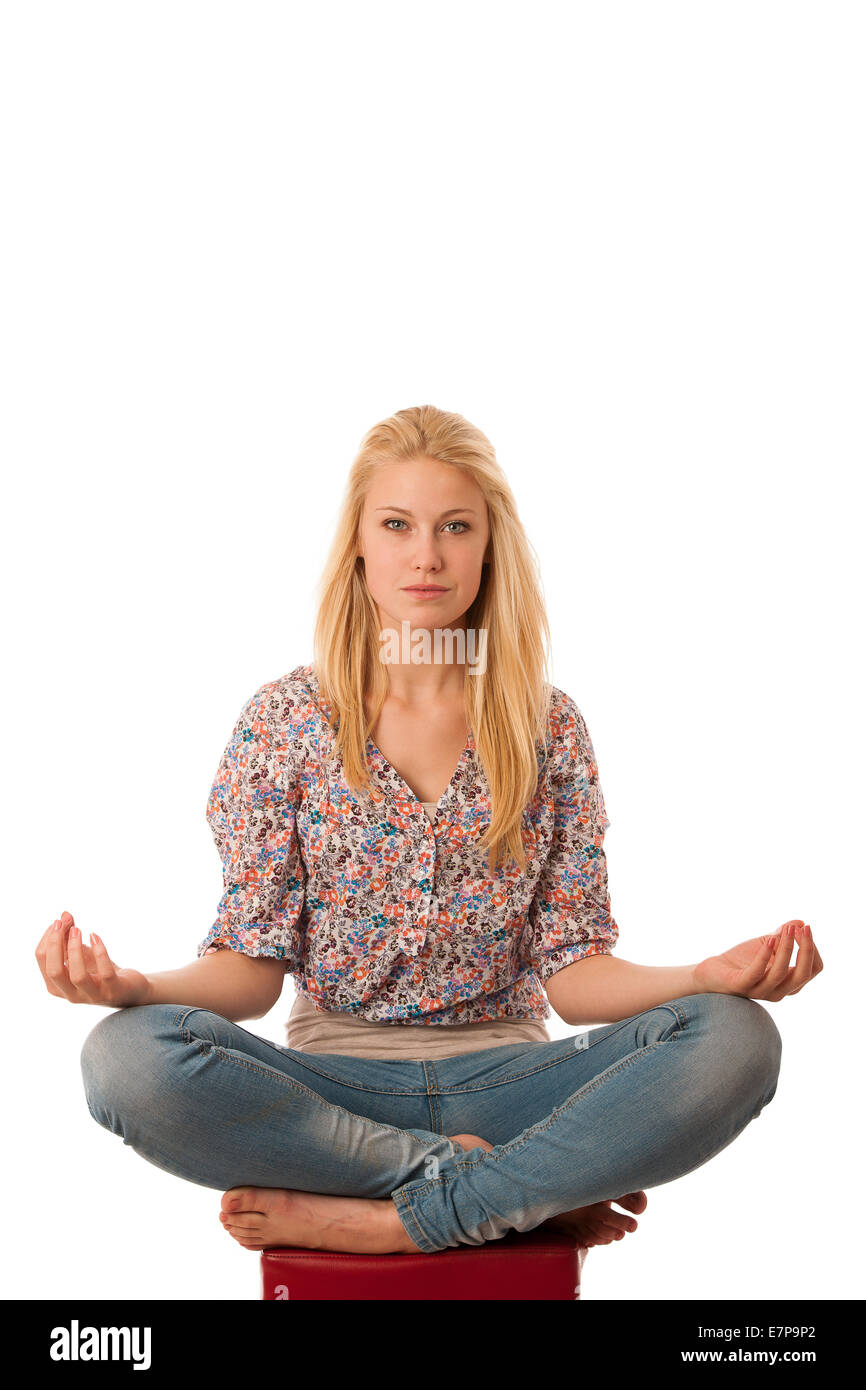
[507, 705]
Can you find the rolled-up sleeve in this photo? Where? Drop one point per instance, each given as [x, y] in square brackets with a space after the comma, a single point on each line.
[251, 814]
[569, 916]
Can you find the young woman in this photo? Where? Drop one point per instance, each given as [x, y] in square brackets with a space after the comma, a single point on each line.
[415, 832]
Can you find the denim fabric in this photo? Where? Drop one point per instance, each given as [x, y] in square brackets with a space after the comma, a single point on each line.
[583, 1119]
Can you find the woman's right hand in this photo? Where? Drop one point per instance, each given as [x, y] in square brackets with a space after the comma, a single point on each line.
[86, 974]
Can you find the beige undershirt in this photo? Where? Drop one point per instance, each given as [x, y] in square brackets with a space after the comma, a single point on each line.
[313, 1030]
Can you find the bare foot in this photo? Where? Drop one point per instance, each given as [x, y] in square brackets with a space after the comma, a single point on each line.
[262, 1216]
[596, 1224]
[469, 1141]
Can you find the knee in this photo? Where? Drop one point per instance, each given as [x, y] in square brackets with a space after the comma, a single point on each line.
[760, 1040]
[743, 1039]
[119, 1057]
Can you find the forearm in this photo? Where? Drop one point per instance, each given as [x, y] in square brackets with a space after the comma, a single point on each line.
[227, 982]
[605, 989]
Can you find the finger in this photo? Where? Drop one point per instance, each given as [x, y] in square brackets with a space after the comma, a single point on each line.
[78, 976]
[805, 956]
[103, 963]
[89, 958]
[817, 963]
[769, 983]
[793, 978]
[755, 972]
[813, 962]
[45, 938]
[769, 956]
[773, 943]
[781, 958]
[790, 980]
[55, 952]
[41, 954]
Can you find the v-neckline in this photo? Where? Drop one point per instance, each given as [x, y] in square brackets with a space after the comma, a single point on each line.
[468, 749]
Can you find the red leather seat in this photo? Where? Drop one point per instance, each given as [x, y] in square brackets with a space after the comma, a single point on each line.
[539, 1264]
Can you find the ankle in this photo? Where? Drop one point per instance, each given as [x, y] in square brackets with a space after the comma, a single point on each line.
[403, 1244]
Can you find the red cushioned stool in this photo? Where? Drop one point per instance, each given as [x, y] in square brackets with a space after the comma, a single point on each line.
[539, 1264]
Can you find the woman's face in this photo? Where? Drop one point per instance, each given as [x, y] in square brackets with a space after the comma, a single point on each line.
[423, 522]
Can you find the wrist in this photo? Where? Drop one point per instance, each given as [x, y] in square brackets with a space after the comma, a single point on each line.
[146, 992]
[705, 979]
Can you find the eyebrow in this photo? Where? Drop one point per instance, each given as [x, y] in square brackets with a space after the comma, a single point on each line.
[467, 510]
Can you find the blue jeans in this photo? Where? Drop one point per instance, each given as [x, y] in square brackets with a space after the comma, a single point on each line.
[587, 1118]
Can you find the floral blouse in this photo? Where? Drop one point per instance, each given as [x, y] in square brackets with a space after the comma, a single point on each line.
[380, 914]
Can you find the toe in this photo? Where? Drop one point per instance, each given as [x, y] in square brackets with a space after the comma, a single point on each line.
[250, 1240]
[246, 1229]
[239, 1199]
[632, 1201]
[245, 1221]
[597, 1235]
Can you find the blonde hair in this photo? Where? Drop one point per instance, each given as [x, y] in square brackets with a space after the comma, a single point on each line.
[506, 706]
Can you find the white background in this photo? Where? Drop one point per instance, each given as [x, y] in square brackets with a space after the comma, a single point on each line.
[626, 240]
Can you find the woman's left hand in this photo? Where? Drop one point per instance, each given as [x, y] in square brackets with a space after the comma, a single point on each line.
[759, 968]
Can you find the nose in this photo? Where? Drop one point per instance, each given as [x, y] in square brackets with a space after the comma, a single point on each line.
[427, 557]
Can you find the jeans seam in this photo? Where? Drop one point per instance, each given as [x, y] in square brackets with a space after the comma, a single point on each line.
[447, 1091]
[434, 1108]
[297, 1057]
[349, 1083]
[513, 1146]
[209, 1048]
[557, 1061]
[404, 1209]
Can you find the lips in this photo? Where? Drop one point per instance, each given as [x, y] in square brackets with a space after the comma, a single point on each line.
[425, 589]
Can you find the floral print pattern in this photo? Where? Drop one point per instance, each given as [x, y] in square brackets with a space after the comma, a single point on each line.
[376, 911]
